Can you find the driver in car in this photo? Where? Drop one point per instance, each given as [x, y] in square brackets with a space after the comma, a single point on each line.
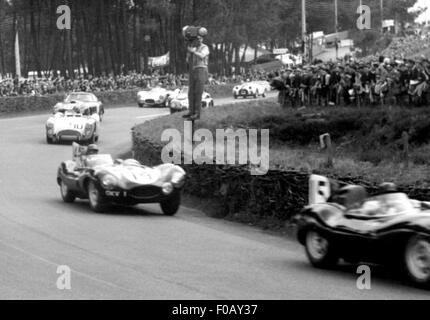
[381, 205]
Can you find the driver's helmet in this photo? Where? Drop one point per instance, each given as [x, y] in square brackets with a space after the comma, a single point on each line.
[131, 162]
[92, 149]
[387, 187]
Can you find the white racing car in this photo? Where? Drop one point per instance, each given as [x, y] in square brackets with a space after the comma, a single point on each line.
[80, 124]
[179, 100]
[153, 97]
[81, 100]
[250, 89]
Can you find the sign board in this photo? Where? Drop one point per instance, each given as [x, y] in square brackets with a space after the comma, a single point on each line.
[388, 23]
[319, 189]
[160, 61]
[347, 43]
[280, 51]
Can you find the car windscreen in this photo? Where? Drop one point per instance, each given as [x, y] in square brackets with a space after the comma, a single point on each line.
[81, 97]
[98, 160]
[390, 204]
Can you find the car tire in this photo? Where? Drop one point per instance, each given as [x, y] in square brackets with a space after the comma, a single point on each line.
[67, 195]
[140, 105]
[319, 250]
[211, 105]
[235, 97]
[96, 198]
[49, 140]
[264, 94]
[171, 206]
[417, 260]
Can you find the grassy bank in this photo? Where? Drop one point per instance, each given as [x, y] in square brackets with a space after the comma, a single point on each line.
[367, 142]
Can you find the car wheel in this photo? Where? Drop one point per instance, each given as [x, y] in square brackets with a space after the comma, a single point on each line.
[417, 260]
[211, 105]
[319, 250]
[264, 94]
[97, 202]
[67, 195]
[235, 96]
[49, 140]
[172, 204]
[140, 105]
[255, 96]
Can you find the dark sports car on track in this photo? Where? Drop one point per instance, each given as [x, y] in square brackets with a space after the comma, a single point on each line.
[387, 228]
[103, 181]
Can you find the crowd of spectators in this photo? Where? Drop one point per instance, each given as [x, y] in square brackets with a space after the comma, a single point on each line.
[38, 86]
[394, 76]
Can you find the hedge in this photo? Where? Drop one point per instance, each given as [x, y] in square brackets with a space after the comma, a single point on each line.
[277, 195]
[20, 104]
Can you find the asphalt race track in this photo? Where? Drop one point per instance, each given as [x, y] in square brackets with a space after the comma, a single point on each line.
[139, 253]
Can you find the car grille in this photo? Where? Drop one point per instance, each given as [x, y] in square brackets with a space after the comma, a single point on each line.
[243, 92]
[69, 134]
[146, 192]
[150, 101]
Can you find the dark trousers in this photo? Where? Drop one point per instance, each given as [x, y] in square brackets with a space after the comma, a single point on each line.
[198, 78]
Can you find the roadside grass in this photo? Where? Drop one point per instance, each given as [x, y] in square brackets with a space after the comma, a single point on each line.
[367, 141]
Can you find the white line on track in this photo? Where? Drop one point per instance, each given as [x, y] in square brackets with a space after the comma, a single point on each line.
[153, 116]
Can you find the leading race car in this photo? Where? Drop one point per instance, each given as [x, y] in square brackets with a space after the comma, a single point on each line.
[79, 124]
[250, 89]
[345, 222]
[81, 100]
[103, 181]
[179, 100]
[153, 97]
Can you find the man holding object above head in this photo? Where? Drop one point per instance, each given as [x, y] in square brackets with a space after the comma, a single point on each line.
[197, 59]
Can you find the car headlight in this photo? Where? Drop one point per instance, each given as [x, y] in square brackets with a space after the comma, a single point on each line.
[167, 188]
[108, 181]
[178, 180]
[88, 129]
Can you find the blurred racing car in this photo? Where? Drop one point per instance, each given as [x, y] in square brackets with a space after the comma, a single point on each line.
[250, 89]
[388, 228]
[103, 181]
[153, 97]
[79, 124]
[179, 100]
[81, 100]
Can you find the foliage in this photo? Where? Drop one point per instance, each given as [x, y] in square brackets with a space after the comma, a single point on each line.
[107, 36]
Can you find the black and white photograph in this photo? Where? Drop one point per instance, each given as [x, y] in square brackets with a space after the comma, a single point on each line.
[214, 154]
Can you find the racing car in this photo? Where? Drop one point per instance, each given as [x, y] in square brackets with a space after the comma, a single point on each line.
[79, 124]
[153, 97]
[387, 228]
[250, 89]
[81, 100]
[179, 100]
[103, 181]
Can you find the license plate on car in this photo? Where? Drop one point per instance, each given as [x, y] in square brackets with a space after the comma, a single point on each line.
[244, 92]
[113, 193]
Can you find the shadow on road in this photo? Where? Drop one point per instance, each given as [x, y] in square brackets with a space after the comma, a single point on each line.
[83, 207]
[384, 276]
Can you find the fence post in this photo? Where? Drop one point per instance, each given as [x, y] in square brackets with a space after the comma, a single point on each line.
[326, 144]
